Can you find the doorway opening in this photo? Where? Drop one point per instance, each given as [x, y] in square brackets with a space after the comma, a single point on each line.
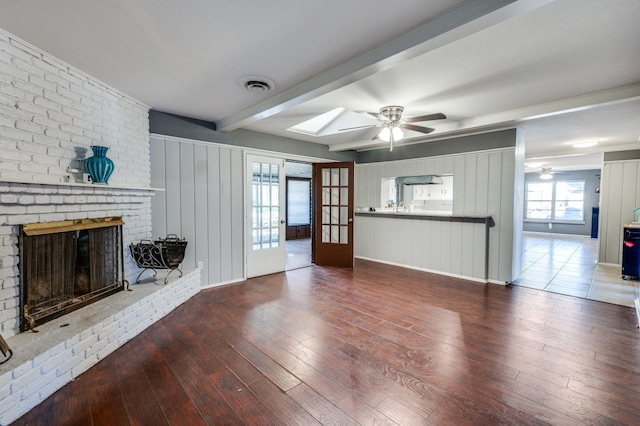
[299, 214]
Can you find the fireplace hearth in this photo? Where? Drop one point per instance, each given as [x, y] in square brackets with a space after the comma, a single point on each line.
[67, 265]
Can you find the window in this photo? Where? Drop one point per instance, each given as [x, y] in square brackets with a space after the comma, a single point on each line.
[560, 201]
[298, 201]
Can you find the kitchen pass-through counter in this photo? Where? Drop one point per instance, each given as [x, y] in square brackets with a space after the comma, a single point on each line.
[454, 245]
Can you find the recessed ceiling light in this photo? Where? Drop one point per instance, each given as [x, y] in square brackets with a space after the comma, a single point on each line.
[257, 84]
[585, 143]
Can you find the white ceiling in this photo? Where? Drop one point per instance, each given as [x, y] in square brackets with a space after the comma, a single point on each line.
[561, 70]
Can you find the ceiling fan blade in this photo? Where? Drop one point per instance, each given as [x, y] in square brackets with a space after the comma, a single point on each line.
[360, 127]
[438, 116]
[425, 130]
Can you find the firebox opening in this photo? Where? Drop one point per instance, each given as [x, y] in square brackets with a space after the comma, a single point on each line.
[67, 265]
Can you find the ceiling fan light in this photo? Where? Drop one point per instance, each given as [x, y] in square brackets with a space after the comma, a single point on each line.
[545, 175]
[386, 132]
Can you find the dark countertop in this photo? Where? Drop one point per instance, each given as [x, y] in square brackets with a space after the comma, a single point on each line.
[441, 218]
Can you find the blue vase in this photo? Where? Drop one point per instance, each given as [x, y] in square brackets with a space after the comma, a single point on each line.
[99, 166]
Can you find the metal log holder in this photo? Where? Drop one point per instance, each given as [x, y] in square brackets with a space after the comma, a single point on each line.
[163, 253]
[6, 350]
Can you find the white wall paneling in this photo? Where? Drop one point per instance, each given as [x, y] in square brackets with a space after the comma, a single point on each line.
[620, 195]
[202, 203]
[446, 247]
[485, 184]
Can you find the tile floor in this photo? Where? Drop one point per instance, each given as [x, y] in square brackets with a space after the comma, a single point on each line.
[298, 254]
[566, 264]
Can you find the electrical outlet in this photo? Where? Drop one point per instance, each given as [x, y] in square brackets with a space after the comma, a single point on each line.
[200, 264]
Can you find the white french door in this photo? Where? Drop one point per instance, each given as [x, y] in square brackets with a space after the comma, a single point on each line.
[265, 215]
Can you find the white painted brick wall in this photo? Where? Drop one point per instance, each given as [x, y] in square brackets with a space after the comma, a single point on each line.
[32, 203]
[27, 384]
[51, 114]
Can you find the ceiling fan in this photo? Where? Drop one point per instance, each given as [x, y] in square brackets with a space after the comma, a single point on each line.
[392, 123]
[546, 173]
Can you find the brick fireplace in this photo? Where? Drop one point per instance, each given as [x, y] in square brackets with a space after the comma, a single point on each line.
[50, 116]
[67, 265]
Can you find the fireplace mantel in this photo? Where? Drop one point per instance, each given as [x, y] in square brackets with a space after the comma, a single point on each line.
[102, 188]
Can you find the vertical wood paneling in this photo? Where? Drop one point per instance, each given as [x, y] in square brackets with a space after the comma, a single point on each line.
[449, 260]
[483, 185]
[203, 202]
[172, 181]
[493, 197]
[620, 195]
[505, 226]
[213, 214]
[201, 243]
[482, 208]
[225, 213]
[470, 181]
[237, 216]
[614, 210]
[158, 180]
[187, 203]
[459, 185]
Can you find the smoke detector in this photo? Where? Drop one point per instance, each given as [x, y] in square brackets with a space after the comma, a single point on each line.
[257, 84]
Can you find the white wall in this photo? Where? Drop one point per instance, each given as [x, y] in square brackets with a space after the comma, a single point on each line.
[484, 185]
[203, 203]
[620, 196]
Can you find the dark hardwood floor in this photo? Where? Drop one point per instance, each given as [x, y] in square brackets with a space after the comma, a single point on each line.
[374, 345]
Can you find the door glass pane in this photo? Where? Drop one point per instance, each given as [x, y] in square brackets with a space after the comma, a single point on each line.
[335, 177]
[326, 195]
[326, 233]
[265, 211]
[326, 177]
[344, 216]
[344, 235]
[256, 238]
[326, 215]
[344, 196]
[335, 215]
[344, 176]
[335, 232]
[335, 196]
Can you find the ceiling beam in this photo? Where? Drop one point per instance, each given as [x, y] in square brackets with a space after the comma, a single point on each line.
[453, 25]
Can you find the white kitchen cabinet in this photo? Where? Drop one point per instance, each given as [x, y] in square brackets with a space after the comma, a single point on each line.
[435, 192]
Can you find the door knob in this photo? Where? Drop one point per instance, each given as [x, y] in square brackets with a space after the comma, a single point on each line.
[282, 221]
[350, 219]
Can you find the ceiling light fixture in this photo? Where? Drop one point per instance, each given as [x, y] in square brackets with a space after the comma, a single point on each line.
[585, 143]
[545, 174]
[257, 84]
[390, 133]
[387, 132]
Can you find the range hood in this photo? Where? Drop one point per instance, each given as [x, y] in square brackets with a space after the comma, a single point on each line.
[419, 180]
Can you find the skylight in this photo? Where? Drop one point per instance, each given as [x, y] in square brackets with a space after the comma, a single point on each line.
[315, 125]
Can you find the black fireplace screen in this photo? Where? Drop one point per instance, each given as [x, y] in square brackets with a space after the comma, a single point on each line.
[63, 271]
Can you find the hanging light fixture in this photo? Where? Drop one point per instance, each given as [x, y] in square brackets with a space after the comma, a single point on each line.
[390, 133]
[545, 174]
